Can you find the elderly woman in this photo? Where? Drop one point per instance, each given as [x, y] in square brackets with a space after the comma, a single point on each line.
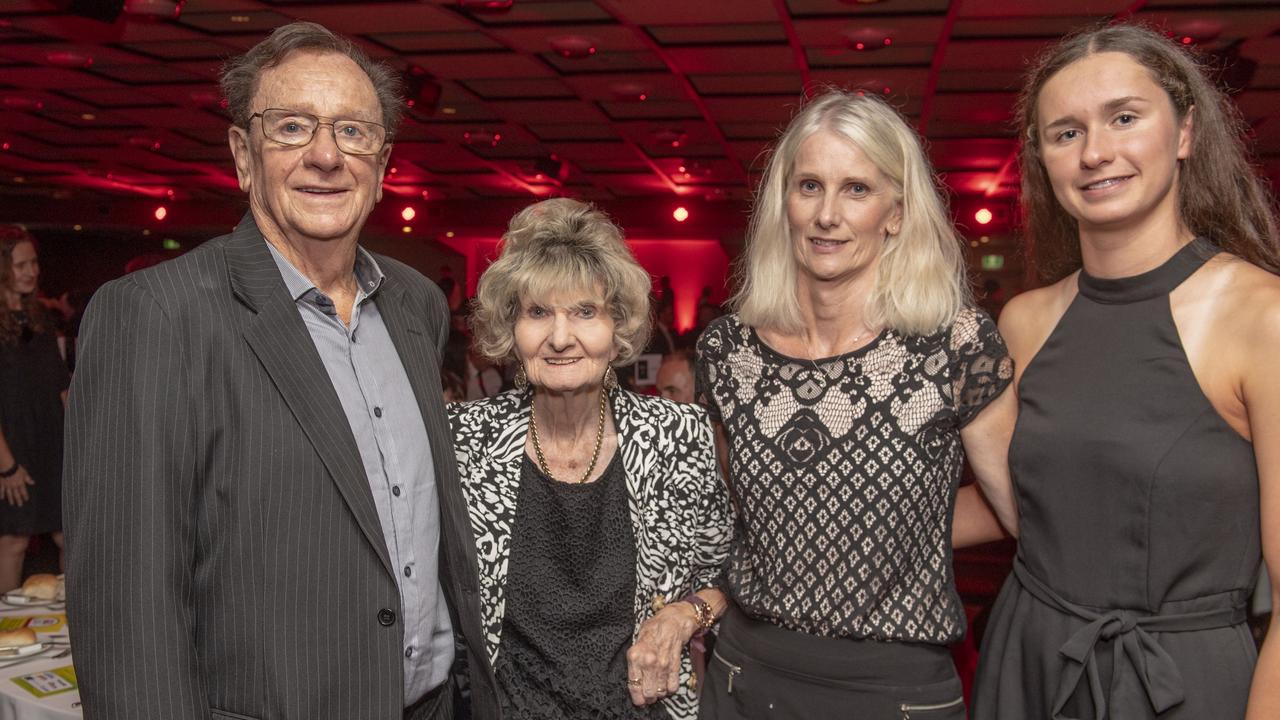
[601, 521]
[850, 383]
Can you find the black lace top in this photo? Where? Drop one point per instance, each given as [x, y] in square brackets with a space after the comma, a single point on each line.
[570, 592]
[844, 472]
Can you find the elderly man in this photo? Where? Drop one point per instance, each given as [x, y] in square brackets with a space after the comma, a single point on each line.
[675, 376]
[263, 516]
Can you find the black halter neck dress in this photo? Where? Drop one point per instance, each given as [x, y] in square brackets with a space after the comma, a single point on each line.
[1140, 538]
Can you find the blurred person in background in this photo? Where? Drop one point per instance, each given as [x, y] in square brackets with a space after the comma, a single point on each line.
[33, 385]
[675, 376]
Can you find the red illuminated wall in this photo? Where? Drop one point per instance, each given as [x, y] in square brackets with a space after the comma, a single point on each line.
[691, 265]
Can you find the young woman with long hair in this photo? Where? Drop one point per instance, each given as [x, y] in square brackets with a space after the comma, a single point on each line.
[1146, 458]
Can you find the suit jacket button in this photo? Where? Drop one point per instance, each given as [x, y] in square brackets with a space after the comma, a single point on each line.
[386, 617]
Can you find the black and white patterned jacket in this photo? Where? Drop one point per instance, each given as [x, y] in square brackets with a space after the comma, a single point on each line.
[679, 505]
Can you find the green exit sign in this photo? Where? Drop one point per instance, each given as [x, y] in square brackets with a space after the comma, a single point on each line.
[992, 262]
[171, 244]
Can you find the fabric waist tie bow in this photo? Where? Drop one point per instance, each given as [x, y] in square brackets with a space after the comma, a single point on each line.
[1155, 670]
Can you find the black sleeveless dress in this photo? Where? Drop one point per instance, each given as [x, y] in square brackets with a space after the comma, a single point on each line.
[32, 378]
[1140, 533]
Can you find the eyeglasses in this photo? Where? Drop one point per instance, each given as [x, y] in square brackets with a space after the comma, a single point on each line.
[290, 127]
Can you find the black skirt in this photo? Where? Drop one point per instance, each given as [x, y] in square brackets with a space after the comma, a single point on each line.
[759, 670]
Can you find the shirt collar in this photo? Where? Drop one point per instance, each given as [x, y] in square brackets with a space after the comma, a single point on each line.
[369, 276]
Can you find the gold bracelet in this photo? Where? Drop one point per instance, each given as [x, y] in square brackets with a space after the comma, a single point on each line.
[706, 617]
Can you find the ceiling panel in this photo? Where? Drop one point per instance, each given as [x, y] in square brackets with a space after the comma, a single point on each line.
[672, 83]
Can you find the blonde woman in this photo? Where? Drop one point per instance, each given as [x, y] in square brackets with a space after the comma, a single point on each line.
[849, 385]
[600, 518]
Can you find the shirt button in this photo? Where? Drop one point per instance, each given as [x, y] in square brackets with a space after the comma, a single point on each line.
[395, 490]
[377, 412]
[408, 652]
[408, 571]
[386, 617]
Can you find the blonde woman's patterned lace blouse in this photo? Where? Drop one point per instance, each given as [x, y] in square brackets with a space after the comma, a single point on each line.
[844, 472]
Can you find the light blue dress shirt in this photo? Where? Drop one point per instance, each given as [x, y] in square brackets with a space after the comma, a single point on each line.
[380, 405]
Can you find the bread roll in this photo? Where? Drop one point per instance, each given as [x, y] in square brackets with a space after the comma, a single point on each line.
[42, 587]
[17, 638]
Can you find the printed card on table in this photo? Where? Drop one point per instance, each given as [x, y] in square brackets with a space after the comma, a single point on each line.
[50, 623]
[48, 682]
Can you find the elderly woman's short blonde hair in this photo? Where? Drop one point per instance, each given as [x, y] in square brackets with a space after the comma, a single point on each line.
[554, 246]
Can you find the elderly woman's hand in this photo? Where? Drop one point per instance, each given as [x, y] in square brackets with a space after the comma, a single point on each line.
[653, 662]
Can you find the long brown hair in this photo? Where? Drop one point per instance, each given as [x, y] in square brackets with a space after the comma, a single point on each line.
[11, 236]
[1220, 195]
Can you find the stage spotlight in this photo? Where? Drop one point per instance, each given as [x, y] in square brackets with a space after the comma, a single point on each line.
[421, 90]
[551, 167]
[680, 214]
[983, 216]
[408, 213]
[161, 212]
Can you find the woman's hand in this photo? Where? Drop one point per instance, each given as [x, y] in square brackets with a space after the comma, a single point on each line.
[653, 662]
[14, 487]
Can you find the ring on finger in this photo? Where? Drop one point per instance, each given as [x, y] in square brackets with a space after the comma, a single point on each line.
[634, 682]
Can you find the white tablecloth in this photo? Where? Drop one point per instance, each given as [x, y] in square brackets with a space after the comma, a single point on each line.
[16, 701]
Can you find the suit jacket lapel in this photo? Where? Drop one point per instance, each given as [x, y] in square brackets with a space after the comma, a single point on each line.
[418, 353]
[281, 342]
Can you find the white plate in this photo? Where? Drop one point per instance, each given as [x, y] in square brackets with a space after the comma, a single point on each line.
[15, 597]
[23, 650]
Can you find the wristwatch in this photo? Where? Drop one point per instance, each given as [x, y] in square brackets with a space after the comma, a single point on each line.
[702, 609]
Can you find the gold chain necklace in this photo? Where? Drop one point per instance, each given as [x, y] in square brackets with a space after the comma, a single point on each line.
[595, 454]
[814, 362]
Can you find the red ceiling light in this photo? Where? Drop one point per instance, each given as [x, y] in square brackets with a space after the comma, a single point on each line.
[205, 97]
[673, 137]
[1196, 31]
[169, 9]
[868, 38]
[680, 214]
[486, 6]
[161, 212]
[21, 102]
[574, 47]
[408, 213]
[983, 216]
[481, 137]
[629, 91]
[72, 59]
[5, 146]
[141, 141]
